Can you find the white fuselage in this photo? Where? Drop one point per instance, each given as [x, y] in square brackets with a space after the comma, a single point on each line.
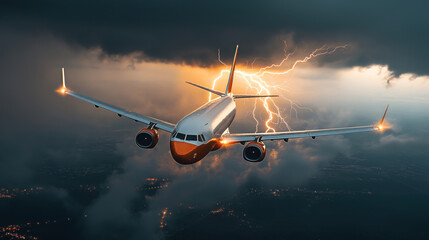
[198, 133]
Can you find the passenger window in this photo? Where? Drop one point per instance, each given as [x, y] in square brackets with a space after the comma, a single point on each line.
[199, 138]
[180, 136]
[191, 137]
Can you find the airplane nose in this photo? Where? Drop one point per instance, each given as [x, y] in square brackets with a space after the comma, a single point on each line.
[186, 153]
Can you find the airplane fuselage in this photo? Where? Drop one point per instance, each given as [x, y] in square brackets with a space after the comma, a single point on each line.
[199, 132]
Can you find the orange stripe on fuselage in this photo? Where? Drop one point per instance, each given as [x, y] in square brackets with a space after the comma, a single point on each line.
[183, 148]
[188, 153]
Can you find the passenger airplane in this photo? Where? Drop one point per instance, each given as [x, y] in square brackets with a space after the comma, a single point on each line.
[207, 128]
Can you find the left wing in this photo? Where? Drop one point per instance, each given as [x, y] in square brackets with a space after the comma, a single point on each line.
[247, 137]
[166, 126]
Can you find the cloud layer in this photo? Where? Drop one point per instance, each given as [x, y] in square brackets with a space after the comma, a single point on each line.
[44, 129]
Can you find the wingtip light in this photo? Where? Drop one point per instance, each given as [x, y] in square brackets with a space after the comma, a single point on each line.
[384, 126]
[61, 90]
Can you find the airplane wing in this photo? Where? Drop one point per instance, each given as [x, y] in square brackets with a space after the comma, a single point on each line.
[166, 126]
[248, 137]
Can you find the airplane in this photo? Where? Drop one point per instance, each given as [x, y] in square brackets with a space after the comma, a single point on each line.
[207, 128]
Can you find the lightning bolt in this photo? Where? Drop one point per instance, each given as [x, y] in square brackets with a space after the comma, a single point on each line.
[257, 82]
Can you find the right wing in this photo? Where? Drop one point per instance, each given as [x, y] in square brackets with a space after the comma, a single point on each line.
[166, 126]
[248, 137]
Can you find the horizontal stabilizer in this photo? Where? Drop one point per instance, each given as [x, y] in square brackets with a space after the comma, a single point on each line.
[253, 96]
[207, 89]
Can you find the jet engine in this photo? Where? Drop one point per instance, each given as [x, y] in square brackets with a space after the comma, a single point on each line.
[254, 152]
[147, 138]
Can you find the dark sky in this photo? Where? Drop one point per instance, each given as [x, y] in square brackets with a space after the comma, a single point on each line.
[112, 51]
[392, 33]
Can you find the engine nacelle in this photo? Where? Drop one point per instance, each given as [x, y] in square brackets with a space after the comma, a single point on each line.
[254, 152]
[147, 138]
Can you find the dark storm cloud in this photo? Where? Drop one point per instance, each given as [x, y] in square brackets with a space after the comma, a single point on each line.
[32, 133]
[379, 32]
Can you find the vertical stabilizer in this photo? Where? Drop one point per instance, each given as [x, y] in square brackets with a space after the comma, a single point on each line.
[231, 74]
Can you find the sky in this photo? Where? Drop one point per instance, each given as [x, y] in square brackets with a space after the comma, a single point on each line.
[138, 55]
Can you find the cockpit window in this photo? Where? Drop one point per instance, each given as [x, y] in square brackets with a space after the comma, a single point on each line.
[191, 137]
[180, 136]
[202, 136]
[173, 134]
[199, 138]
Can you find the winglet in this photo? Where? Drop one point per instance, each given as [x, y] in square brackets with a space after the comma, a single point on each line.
[231, 74]
[63, 90]
[64, 78]
[384, 115]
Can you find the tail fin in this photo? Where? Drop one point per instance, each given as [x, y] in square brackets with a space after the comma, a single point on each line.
[231, 74]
